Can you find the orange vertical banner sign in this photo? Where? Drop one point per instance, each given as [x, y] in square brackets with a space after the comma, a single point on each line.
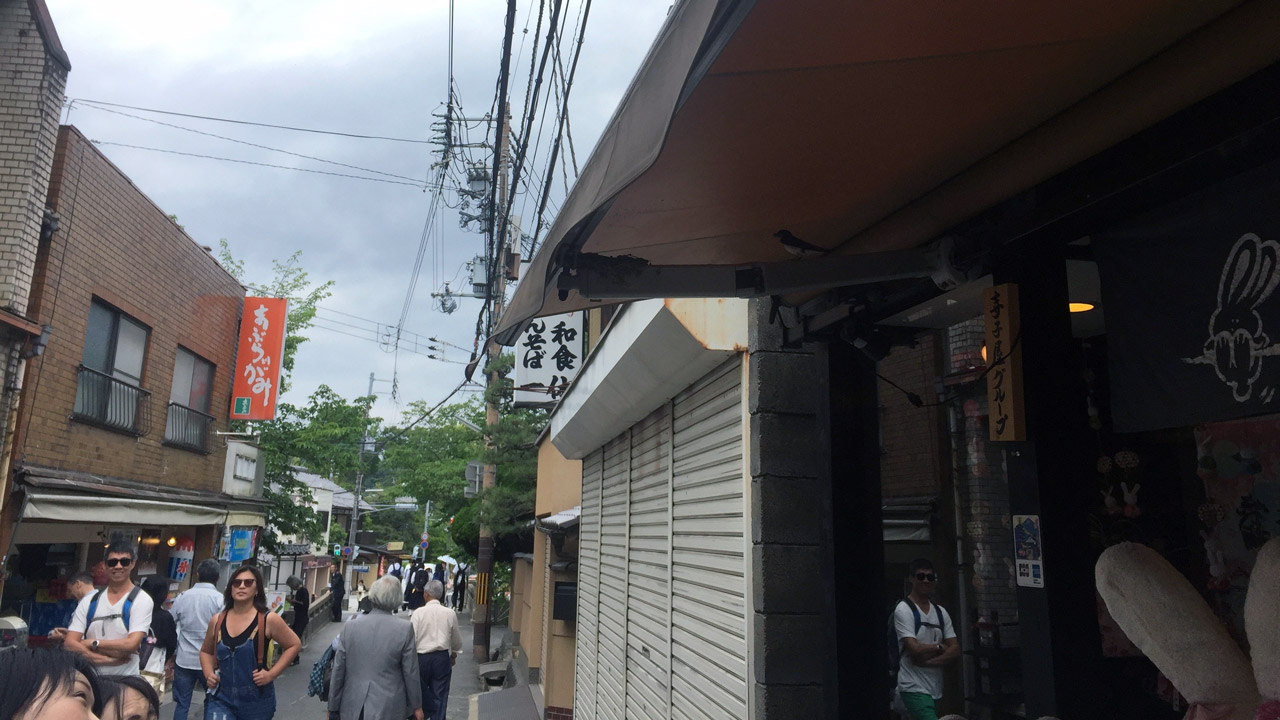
[1005, 403]
[259, 359]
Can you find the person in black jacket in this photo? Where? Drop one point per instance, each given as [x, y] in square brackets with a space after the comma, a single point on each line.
[301, 601]
[338, 589]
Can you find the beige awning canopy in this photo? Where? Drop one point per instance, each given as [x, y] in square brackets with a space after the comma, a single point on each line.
[88, 508]
[861, 127]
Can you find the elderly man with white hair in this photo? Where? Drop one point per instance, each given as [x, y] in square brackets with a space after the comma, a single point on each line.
[439, 642]
[375, 671]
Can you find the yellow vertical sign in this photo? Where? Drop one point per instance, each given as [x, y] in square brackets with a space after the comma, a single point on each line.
[1005, 406]
[482, 588]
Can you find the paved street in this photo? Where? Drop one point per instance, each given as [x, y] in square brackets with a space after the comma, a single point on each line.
[291, 688]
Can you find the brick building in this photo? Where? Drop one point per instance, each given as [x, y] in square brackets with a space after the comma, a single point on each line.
[33, 76]
[118, 432]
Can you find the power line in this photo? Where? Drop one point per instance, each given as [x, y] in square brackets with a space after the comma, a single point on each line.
[419, 185]
[564, 113]
[379, 326]
[434, 408]
[528, 129]
[256, 145]
[338, 133]
[501, 99]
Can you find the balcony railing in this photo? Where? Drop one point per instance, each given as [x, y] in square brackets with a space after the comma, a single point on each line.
[188, 428]
[110, 403]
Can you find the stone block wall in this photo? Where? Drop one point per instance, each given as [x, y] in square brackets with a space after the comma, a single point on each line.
[792, 646]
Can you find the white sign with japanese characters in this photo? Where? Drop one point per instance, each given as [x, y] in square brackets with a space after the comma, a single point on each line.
[548, 356]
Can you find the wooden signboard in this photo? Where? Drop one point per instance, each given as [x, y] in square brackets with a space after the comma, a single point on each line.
[1004, 355]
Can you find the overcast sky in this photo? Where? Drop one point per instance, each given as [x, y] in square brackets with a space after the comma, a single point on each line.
[329, 65]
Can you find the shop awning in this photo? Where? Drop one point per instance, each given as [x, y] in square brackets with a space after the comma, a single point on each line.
[562, 520]
[245, 519]
[864, 130]
[652, 351]
[87, 508]
[66, 495]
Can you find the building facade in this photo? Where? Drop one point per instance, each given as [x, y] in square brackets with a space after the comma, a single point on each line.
[119, 433]
[33, 76]
[545, 585]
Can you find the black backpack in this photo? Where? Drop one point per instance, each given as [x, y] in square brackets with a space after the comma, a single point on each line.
[420, 578]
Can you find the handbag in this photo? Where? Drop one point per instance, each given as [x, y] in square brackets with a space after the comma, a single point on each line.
[151, 660]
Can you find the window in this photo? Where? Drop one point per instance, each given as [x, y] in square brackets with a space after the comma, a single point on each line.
[246, 468]
[188, 421]
[108, 389]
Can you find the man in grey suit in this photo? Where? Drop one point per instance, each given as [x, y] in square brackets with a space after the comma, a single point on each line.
[375, 670]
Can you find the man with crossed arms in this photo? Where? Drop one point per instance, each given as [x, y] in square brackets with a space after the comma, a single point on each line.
[106, 639]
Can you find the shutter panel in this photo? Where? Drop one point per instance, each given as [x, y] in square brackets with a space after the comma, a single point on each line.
[584, 686]
[648, 567]
[611, 650]
[708, 581]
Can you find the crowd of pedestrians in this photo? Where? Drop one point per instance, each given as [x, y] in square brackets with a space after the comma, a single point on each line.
[121, 644]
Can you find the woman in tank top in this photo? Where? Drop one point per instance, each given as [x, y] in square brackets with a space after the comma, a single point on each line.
[234, 652]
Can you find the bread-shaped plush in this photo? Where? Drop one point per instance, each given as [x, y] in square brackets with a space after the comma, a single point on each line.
[1262, 622]
[1164, 616]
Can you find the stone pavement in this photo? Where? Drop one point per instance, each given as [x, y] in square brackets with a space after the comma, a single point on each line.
[292, 702]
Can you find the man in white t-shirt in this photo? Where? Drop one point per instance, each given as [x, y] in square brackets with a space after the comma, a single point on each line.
[99, 629]
[927, 643]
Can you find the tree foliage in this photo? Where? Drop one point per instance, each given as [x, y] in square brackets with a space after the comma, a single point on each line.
[507, 508]
[429, 459]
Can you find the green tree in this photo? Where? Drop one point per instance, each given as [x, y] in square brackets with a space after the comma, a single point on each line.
[428, 460]
[507, 508]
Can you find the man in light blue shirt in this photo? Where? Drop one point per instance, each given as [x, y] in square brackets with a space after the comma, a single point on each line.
[192, 612]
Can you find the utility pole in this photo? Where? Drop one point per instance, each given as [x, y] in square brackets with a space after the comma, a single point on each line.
[355, 509]
[481, 616]
[420, 552]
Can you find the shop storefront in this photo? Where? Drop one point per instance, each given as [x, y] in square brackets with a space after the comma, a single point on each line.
[1145, 412]
[68, 521]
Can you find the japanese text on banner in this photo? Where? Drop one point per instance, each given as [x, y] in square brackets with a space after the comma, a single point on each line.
[548, 357]
[259, 359]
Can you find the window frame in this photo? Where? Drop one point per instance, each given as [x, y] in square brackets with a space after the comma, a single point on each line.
[187, 436]
[113, 343]
[97, 403]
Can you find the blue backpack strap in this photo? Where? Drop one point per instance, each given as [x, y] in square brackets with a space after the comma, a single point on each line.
[915, 613]
[128, 605]
[93, 608]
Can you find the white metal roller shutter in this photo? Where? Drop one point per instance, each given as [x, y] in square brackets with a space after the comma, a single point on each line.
[584, 687]
[611, 690]
[648, 567]
[708, 580]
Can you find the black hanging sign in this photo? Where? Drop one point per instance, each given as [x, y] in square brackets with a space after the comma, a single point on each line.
[1192, 312]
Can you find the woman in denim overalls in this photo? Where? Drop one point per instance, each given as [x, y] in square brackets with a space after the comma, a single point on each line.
[233, 656]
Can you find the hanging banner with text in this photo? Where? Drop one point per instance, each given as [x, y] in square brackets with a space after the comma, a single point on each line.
[548, 356]
[1189, 292]
[1005, 405]
[259, 358]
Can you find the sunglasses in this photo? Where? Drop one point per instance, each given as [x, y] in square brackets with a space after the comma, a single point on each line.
[926, 577]
[244, 582]
[122, 562]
